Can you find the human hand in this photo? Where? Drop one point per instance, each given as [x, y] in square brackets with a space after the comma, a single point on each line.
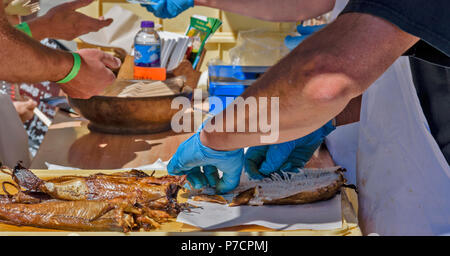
[191, 155]
[168, 8]
[64, 22]
[94, 75]
[25, 109]
[20, 7]
[261, 161]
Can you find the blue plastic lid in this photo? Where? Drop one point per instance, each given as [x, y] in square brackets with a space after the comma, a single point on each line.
[147, 24]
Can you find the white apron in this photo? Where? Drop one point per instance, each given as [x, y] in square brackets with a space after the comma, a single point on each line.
[402, 176]
[13, 137]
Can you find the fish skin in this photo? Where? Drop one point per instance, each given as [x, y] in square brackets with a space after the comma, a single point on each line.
[306, 186]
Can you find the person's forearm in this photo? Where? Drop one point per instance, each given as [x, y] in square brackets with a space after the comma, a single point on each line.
[279, 11]
[23, 59]
[351, 112]
[318, 79]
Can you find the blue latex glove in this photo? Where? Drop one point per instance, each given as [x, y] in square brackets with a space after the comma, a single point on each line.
[191, 154]
[167, 9]
[305, 31]
[261, 161]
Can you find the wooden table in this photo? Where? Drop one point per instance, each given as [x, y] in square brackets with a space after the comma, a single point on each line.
[69, 142]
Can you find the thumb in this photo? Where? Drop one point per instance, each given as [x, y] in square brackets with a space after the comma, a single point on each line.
[104, 22]
[275, 157]
[110, 61]
[254, 157]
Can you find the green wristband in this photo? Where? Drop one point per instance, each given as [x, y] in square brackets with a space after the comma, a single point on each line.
[24, 28]
[75, 69]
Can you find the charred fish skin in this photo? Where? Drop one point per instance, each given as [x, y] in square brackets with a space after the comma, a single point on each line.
[101, 202]
[245, 197]
[99, 186]
[67, 215]
[25, 178]
[210, 198]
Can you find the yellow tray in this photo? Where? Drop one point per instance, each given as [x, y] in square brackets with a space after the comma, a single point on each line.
[349, 222]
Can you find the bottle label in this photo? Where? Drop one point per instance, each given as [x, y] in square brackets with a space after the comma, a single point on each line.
[147, 55]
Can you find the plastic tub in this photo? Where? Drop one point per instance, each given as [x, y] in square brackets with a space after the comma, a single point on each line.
[230, 82]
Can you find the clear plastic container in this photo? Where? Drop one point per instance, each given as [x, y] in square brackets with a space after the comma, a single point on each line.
[147, 46]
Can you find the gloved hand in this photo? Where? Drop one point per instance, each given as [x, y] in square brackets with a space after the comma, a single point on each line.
[261, 161]
[305, 31]
[191, 155]
[167, 9]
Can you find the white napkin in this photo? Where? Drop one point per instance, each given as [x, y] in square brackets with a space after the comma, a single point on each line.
[173, 49]
[120, 33]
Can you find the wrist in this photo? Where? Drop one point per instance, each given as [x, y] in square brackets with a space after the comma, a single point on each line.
[209, 149]
[39, 28]
[209, 140]
[74, 71]
[62, 63]
[24, 27]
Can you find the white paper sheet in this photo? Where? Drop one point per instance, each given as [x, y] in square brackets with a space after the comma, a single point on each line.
[120, 33]
[324, 215]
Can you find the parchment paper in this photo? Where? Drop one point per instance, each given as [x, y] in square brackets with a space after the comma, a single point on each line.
[324, 215]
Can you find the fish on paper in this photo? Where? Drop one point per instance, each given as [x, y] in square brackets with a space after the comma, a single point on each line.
[305, 186]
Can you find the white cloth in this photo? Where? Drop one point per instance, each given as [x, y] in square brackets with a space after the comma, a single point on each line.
[13, 137]
[403, 177]
[342, 144]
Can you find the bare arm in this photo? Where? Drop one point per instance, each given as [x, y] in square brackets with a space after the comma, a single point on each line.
[25, 60]
[280, 11]
[65, 22]
[351, 112]
[317, 80]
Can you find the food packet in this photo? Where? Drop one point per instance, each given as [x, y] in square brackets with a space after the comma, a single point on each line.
[201, 28]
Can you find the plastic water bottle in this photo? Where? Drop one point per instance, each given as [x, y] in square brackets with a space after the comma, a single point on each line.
[147, 46]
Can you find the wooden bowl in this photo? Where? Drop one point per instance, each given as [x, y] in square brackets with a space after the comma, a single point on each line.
[134, 115]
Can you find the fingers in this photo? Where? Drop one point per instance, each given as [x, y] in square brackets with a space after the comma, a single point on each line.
[197, 178]
[110, 61]
[87, 24]
[253, 160]
[97, 24]
[275, 157]
[211, 175]
[78, 4]
[230, 176]
[229, 181]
